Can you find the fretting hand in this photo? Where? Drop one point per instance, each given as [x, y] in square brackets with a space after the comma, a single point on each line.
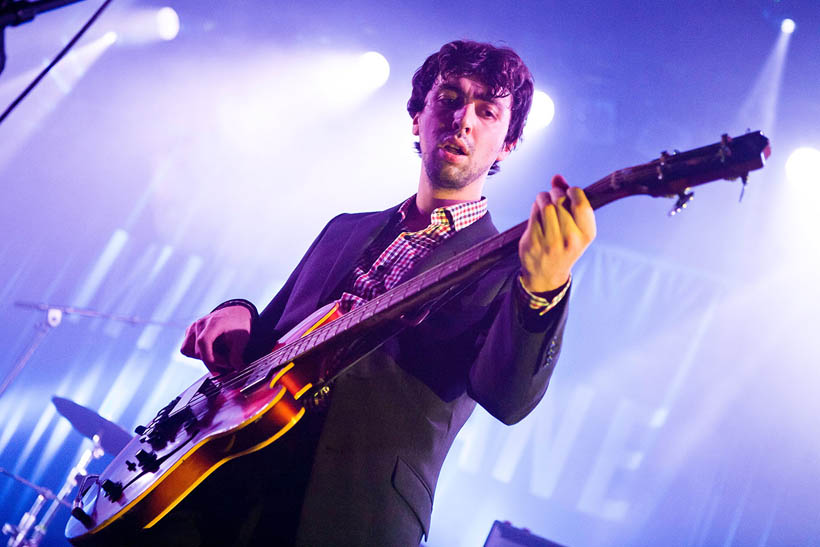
[560, 228]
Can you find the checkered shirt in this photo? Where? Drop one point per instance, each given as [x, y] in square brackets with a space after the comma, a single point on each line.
[379, 270]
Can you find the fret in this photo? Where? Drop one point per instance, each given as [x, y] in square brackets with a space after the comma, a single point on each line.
[468, 258]
[327, 331]
[292, 351]
[313, 339]
[348, 320]
[417, 283]
[333, 328]
[399, 292]
[308, 341]
[264, 362]
[381, 305]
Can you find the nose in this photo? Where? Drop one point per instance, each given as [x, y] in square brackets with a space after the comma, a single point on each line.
[464, 119]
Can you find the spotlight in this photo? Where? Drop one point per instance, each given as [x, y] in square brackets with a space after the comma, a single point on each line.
[167, 23]
[787, 26]
[142, 26]
[803, 166]
[109, 38]
[541, 112]
[373, 69]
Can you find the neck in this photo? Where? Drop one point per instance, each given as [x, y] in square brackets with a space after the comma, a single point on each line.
[430, 197]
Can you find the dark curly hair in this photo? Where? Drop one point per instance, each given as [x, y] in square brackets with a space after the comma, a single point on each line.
[499, 68]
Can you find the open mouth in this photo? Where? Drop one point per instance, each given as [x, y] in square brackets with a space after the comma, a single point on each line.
[453, 149]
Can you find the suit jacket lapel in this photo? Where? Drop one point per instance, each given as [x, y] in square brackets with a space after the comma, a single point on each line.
[363, 233]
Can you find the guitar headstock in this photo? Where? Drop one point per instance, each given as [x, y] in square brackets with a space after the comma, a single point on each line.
[673, 175]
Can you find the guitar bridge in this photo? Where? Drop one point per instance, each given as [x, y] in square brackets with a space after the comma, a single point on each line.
[78, 507]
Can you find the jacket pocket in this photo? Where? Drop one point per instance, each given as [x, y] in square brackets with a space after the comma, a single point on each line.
[412, 488]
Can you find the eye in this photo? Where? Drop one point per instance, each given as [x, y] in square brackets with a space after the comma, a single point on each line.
[448, 98]
[489, 113]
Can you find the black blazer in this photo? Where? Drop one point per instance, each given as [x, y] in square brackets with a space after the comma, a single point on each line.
[393, 417]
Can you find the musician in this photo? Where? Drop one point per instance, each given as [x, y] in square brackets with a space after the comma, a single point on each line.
[362, 470]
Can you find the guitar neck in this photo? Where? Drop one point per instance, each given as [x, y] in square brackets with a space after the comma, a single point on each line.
[366, 327]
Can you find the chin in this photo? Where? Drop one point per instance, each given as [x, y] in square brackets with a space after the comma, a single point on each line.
[447, 176]
[450, 181]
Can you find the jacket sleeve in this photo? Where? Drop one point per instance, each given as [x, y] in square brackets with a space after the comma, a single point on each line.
[514, 364]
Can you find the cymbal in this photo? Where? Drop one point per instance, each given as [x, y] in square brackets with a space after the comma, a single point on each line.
[113, 438]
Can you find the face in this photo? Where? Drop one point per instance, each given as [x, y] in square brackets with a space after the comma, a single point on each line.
[461, 131]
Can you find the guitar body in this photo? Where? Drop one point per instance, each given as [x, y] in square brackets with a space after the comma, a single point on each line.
[156, 470]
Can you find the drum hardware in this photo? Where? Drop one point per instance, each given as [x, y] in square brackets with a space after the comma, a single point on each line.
[106, 437]
[18, 534]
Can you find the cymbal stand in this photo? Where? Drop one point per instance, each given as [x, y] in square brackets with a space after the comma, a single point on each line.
[18, 533]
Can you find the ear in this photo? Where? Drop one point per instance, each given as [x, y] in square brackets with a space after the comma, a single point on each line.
[506, 149]
[416, 124]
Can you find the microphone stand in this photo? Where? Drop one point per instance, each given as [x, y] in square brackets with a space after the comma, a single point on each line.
[54, 316]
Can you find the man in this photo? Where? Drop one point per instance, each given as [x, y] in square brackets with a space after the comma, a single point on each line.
[363, 470]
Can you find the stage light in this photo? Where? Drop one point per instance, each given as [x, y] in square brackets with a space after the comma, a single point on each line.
[109, 38]
[167, 23]
[803, 166]
[541, 112]
[141, 26]
[787, 26]
[373, 69]
[64, 76]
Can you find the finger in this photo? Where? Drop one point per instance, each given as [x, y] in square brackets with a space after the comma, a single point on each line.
[569, 229]
[205, 349]
[560, 181]
[582, 212]
[551, 227]
[238, 341]
[188, 347]
[534, 226]
[559, 188]
[543, 200]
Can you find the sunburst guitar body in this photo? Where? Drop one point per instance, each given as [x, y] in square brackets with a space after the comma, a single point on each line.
[213, 421]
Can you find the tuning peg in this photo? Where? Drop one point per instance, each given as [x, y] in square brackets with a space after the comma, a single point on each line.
[744, 178]
[683, 200]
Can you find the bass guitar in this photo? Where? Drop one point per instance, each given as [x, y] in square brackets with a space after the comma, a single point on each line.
[223, 417]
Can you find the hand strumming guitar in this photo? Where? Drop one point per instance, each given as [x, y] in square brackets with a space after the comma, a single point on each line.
[219, 338]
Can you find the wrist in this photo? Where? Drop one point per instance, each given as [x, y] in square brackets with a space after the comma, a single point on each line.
[538, 285]
[239, 302]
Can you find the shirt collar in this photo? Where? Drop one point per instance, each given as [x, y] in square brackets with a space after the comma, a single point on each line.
[458, 216]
